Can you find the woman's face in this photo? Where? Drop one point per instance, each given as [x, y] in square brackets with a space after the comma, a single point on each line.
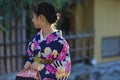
[36, 21]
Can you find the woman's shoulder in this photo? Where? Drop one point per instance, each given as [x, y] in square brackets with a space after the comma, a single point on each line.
[35, 36]
[60, 37]
[61, 40]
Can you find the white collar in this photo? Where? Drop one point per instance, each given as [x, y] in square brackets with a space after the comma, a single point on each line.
[41, 36]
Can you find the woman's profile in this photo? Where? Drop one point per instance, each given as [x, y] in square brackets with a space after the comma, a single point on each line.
[48, 51]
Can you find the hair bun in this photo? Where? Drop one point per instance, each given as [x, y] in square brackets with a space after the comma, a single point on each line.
[47, 10]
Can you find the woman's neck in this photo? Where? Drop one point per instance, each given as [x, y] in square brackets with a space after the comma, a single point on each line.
[47, 30]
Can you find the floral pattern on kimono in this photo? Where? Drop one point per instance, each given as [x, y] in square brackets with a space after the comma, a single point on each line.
[54, 47]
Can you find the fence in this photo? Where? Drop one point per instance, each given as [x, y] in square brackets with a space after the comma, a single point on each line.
[12, 48]
[81, 47]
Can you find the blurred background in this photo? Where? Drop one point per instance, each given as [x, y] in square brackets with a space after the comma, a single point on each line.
[91, 27]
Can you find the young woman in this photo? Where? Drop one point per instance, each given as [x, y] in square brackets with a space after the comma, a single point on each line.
[48, 51]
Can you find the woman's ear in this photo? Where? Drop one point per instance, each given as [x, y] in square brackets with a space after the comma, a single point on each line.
[41, 17]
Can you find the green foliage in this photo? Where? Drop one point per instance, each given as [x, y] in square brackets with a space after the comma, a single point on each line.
[59, 3]
[14, 9]
[4, 29]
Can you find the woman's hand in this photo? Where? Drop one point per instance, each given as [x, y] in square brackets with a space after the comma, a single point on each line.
[27, 65]
[35, 65]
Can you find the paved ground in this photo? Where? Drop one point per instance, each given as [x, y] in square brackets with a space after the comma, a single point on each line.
[106, 71]
[10, 76]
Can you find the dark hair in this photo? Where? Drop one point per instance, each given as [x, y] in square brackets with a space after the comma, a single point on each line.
[47, 10]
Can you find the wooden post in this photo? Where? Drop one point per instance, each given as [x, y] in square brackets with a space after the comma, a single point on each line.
[84, 48]
[2, 62]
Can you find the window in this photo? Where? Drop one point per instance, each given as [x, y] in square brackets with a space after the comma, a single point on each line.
[111, 46]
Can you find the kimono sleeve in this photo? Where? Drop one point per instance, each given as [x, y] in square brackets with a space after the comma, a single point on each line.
[29, 52]
[29, 55]
[62, 50]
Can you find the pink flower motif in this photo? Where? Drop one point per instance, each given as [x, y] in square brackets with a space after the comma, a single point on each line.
[47, 79]
[49, 57]
[50, 38]
[66, 47]
[63, 52]
[36, 44]
[61, 57]
[51, 69]
[29, 52]
[68, 68]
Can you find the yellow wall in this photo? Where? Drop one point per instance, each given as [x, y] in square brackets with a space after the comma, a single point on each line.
[84, 17]
[83, 20]
[78, 19]
[106, 24]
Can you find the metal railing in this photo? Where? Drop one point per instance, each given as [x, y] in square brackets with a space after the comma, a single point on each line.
[81, 46]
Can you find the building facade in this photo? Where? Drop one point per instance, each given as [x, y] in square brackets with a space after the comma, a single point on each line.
[100, 17]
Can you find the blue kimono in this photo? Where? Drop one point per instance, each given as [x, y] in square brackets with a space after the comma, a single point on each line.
[55, 48]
